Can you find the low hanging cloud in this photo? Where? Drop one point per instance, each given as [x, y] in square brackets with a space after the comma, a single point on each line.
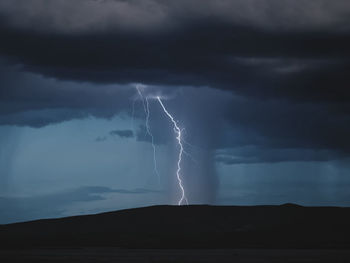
[252, 154]
[101, 139]
[122, 133]
[32, 100]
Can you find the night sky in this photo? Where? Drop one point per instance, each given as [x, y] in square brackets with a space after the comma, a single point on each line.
[259, 87]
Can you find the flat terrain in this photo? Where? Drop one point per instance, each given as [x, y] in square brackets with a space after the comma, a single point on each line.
[287, 233]
[107, 255]
[287, 226]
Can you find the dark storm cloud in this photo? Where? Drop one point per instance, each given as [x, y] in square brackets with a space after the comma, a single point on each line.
[287, 60]
[122, 133]
[293, 49]
[41, 118]
[282, 124]
[31, 100]
[276, 130]
[154, 15]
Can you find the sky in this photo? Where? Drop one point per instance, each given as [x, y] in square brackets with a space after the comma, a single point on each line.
[259, 88]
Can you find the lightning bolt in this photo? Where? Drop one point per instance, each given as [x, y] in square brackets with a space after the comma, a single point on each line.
[178, 133]
[145, 104]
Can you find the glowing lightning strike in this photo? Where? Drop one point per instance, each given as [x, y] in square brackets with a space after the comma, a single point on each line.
[178, 133]
[148, 130]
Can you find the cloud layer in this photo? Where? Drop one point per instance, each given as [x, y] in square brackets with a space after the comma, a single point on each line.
[284, 64]
[287, 49]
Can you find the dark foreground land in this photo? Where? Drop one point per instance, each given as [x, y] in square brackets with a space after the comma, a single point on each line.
[115, 255]
[287, 233]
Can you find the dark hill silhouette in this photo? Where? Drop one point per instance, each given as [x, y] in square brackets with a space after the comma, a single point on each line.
[198, 226]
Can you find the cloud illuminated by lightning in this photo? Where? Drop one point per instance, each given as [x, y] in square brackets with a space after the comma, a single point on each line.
[178, 133]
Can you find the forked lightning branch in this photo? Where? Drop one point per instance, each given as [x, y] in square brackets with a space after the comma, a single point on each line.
[178, 136]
